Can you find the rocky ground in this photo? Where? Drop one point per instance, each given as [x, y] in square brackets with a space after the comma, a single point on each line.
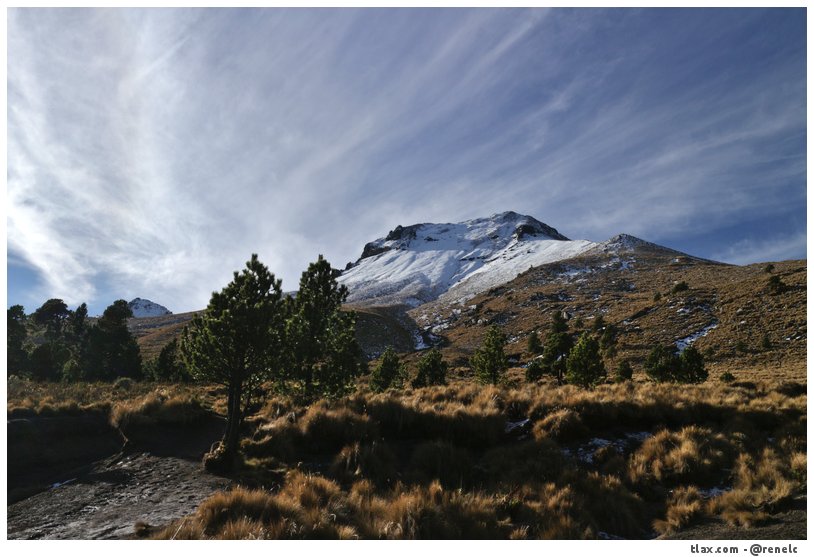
[151, 481]
[116, 495]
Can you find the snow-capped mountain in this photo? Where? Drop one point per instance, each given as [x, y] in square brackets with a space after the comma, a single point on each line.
[145, 308]
[422, 262]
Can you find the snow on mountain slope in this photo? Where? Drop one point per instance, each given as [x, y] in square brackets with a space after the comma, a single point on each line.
[145, 308]
[516, 258]
[419, 263]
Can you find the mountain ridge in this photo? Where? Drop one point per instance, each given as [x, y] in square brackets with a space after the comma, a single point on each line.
[420, 263]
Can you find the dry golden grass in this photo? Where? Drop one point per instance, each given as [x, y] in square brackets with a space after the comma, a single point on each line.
[562, 425]
[28, 398]
[762, 485]
[437, 462]
[157, 408]
[684, 506]
[692, 454]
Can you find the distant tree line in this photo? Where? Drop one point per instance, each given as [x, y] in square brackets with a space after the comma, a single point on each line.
[55, 343]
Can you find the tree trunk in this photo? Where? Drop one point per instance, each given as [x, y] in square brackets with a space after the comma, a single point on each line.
[231, 439]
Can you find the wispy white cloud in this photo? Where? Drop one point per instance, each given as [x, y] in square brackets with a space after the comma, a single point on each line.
[151, 151]
[745, 252]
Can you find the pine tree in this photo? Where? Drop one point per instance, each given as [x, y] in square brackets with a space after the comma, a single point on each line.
[432, 370]
[235, 342]
[389, 373]
[47, 360]
[776, 286]
[169, 366]
[680, 287]
[489, 361]
[557, 345]
[16, 334]
[534, 370]
[584, 365]
[112, 350]
[624, 371]
[52, 315]
[534, 346]
[662, 363]
[322, 357]
[691, 366]
[608, 342]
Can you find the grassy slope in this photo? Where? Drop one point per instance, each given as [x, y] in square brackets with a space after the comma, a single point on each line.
[737, 298]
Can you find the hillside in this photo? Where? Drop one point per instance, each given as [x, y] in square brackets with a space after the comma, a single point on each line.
[725, 311]
[153, 333]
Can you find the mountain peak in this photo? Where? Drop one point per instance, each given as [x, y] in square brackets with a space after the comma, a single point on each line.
[419, 262]
[145, 308]
[497, 228]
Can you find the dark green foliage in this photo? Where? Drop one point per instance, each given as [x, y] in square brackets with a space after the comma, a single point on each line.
[169, 366]
[766, 343]
[608, 342]
[389, 373]
[727, 377]
[322, 357]
[769, 268]
[47, 361]
[624, 371]
[599, 323]
[489, 361]
[52, 315]
[740, 346]
[77, 337]
[78, 323]
[72, 371]
[535, 370]
[657, 296]
[680, 287]
[584, 365]
[237, 342]
[691, 368]
[664, 364]
[578, 323]
[17, 357]
[534, 346]
[558, 323]
[557, 346]
[432, 370]
[112, 350]
[776, 286]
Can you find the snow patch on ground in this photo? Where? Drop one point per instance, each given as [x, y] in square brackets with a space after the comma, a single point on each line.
[713, 492]
[683, 343]
[585, 452]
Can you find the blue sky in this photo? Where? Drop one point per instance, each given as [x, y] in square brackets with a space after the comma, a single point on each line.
[150, 152]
